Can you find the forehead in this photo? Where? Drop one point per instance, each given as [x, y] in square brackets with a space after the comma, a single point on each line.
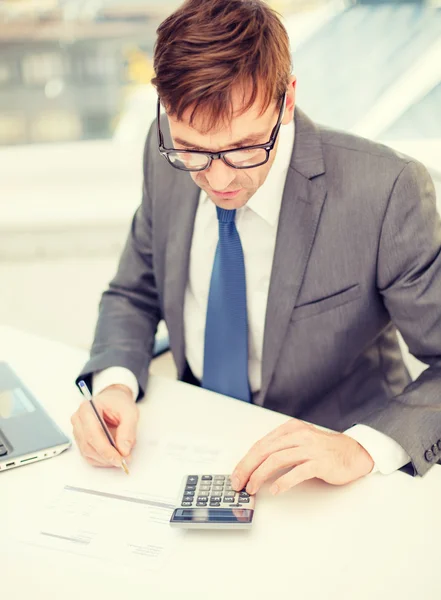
[251, 122]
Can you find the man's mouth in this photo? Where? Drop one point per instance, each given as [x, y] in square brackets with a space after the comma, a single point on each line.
[226, 194]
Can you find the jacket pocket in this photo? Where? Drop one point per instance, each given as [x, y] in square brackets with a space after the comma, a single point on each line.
[323, 304]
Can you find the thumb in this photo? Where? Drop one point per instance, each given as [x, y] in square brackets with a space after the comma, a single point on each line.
[125, 435]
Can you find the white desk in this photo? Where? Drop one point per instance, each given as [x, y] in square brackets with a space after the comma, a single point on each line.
[377, 538]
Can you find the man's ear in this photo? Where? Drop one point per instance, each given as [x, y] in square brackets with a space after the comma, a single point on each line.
[290, 101]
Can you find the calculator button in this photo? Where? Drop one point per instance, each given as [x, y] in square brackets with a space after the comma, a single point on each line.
[243, 500]
[219, 477]
[216, 498]
[215, 503]
[191, 494]
[229, 499]
[244, 495]
[192, 480]
[204, 489]
[207, 477]
[190, 488]
[201, 504]
[217, 488]
[202, 498]
[186, 503]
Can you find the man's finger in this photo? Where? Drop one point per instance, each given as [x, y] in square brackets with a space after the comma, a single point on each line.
[125, 436]
[91, 456]
[93, 435]
[303, 472]
[262, 450]
[87, 451]
[96, 463]
[274, 463]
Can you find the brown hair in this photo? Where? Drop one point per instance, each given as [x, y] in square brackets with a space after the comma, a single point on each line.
[208, 47]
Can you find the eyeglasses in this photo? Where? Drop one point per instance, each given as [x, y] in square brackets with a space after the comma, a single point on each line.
[246, 157]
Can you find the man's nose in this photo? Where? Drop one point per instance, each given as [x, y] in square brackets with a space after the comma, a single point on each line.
[219, 175]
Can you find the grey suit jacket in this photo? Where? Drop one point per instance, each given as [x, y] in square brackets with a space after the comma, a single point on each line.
[358, 254]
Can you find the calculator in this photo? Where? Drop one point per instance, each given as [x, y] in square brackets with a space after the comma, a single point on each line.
[209, 502]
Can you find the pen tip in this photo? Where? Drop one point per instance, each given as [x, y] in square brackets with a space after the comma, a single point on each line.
[125, 467]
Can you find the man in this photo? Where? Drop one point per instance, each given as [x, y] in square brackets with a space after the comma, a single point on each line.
[282, 256]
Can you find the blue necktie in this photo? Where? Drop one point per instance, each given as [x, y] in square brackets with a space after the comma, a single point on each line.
[226, 327]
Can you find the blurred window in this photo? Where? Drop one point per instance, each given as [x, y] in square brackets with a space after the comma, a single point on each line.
[6, 73]
[56, 126]
[96, 68]
[37, 69]
[421, 120]
[12, 128]
[97, 125]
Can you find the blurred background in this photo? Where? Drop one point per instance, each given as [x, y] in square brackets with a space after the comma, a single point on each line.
[76, 104]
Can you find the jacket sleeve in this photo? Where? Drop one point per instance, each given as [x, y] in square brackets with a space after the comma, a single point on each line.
[129, 310]
[409, 278]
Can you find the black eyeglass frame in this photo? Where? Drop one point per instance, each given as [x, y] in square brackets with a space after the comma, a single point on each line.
[268, 146]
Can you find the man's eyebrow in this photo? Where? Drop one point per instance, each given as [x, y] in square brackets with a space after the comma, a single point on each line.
[247, 141]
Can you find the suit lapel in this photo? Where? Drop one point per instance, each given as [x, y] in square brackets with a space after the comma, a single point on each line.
[302, 202]
[183, 201]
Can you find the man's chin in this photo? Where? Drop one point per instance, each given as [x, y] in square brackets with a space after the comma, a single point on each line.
[230, 203]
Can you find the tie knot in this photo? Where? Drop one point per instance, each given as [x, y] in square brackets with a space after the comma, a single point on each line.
[224, 215]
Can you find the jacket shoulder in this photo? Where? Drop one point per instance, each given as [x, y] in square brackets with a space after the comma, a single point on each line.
[353, 148]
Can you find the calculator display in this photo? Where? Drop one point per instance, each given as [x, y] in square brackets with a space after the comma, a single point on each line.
[210, 515]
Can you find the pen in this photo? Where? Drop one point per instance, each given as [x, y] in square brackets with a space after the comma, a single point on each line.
[86, 393]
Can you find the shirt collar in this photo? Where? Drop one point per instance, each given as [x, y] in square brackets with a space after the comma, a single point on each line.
[267, 200]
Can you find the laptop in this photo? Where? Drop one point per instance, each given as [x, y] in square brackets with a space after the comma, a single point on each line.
[27, 433]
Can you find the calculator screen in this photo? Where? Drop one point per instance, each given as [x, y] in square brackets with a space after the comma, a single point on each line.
[212, 515]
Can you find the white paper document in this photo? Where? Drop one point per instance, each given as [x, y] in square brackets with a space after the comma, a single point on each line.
[130, 531]
[124, 521]
[177, 456]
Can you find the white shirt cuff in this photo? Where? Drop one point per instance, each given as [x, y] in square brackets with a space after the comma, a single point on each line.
[387, 454]
[114, 376]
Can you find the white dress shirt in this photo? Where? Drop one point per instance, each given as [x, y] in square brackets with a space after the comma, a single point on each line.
[257, 225]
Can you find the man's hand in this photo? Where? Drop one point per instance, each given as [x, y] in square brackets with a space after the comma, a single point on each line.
[307, 452]
[118, 409]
